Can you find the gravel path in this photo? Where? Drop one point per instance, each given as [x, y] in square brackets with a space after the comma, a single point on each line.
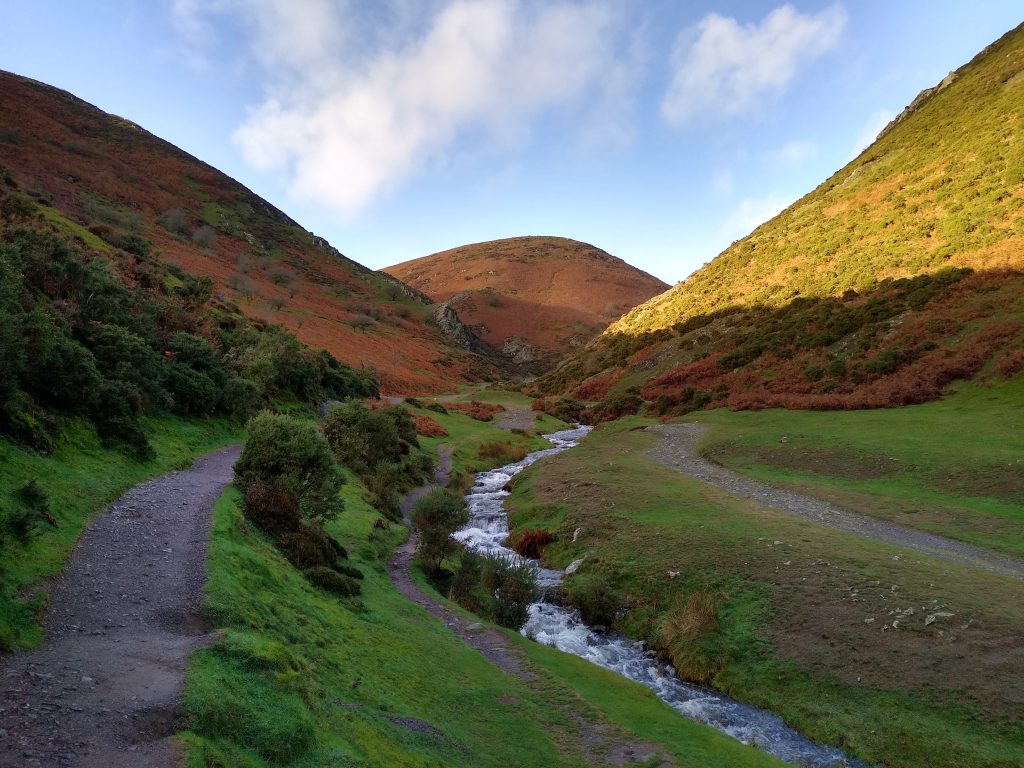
[678, 449]
[104, 690]
[516, 417]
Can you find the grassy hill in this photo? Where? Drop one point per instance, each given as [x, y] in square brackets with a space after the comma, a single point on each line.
[108, 183]
[553, 293]
[898, 274]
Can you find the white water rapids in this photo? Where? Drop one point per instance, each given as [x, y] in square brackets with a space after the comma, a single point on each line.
[563, 629]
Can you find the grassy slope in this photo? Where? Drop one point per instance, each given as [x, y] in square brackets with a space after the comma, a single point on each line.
[793, 604]
[552, 291]
[809, 311]
[953, 467]
[303, 678]
[81, 478]
[99, 173]
[945, 187]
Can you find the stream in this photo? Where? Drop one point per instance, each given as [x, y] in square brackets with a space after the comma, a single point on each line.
[562, 628]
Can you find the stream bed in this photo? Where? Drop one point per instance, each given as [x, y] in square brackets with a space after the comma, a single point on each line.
[562, 628]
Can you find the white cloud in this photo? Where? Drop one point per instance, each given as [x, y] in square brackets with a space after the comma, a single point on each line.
[721, 67]
[752, 212]
[874, 125]
[793, 154]
[359, 97]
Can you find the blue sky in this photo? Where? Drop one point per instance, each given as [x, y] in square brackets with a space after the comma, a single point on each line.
[660, 131]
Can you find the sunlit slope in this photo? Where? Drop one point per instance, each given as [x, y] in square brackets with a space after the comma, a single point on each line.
[942, 187]
[901, 273]
[102, 178]
[552, 292]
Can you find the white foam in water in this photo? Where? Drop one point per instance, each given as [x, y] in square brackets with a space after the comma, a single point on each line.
[562, 628]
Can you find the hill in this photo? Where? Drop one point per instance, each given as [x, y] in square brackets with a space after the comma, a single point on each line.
[107, 183]
[898, 274]
[534, 298]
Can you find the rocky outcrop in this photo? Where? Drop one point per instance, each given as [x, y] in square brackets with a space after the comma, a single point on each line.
[447, 320]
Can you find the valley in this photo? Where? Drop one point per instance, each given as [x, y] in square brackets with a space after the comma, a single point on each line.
[517, 502]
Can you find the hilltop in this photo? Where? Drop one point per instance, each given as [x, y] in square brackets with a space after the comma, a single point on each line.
[104, 180]
[897, 275]
[533, 298]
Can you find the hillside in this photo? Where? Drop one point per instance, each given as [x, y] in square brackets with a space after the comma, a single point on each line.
[533, 298]
[104, 180]
[898, 274]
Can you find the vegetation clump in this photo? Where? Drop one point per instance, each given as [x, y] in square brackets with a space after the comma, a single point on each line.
[497, 587]
[436, 517]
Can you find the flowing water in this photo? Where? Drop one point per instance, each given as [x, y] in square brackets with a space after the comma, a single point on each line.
[561, 627]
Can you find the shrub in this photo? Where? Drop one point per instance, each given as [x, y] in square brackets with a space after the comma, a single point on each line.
[510, 584]
[205, 236]
[32, 512]
[531, 543]
[241, 399]
[271, 509]
[292, 456]
[362, 439]
[477, 410]
[176, 221]
[595, 599]
[428, 427]
[332, 581]
[436, 517]
[495, 587]
[308, 546]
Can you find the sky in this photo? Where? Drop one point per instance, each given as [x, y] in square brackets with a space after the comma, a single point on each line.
[658, 130]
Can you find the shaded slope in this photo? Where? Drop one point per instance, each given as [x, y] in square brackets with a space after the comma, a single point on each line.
[103, 178]
[897, 275]
[551, 292]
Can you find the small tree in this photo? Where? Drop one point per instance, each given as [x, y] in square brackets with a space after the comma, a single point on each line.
[290, 455]
[437, 516]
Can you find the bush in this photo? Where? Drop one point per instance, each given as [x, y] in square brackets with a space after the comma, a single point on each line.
[436, 517]
[309, 546]
[31, 513]
[292, 456]
[531, 543]
[241, 399]
[362, 439]
[595, 599]
[271, 509]
[332, 581]
[495, 587]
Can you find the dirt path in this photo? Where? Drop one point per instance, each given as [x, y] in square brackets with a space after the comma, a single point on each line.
[516, 417]
[601, 743]
[104, 690]
[678, 450]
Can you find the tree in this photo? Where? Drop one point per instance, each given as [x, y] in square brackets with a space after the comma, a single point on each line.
[437, 516]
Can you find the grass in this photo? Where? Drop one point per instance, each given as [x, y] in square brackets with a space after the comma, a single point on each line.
[952, 467]
[804, 615]
[302, 678]
[467, 436]
[81, 477]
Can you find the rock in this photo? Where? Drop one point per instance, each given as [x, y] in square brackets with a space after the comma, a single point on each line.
[931, 617]
[576, 534]
[574, 566]
[476, 626]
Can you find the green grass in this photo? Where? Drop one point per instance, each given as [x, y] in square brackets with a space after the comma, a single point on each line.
[81, 478]
[791, 630]
[466, 435]
[953, 467]
[302, 678]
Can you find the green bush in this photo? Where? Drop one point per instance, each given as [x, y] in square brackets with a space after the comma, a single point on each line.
[292, 456]
[332, 581]
[436, 517]
[496, 587]
[595, 599]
